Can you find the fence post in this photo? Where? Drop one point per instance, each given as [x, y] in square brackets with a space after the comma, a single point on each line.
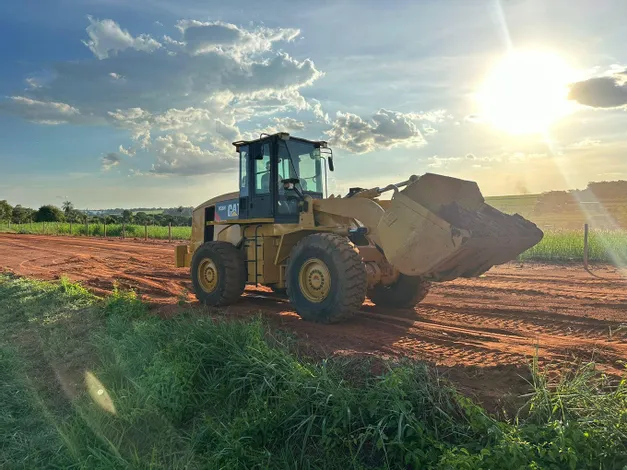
[146, 231]
[70, 228]
[123, 229]
[86, 226]
[105, 227]
[585, 246]
[170, 231]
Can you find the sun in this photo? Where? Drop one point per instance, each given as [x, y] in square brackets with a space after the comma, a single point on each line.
[526, 92]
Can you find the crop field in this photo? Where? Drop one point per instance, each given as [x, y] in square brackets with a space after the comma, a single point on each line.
[97, 230]
[606, 246]
[606, 215]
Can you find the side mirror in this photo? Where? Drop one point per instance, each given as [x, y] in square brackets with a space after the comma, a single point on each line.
[331, 166]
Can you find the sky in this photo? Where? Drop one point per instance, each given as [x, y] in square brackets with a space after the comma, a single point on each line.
[110, 103]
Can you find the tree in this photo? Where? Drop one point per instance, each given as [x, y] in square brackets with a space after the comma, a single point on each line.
[74, 216]
[5, 210]
[127, 216]
[112, 219]
[67, 207]
[141, 218]
[49, 213]
[22, 215]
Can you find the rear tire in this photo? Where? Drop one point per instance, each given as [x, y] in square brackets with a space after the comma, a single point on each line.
[326, 278]
[406, 292]
[218, 273]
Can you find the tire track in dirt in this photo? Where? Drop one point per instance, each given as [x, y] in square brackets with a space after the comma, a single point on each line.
[491, 324]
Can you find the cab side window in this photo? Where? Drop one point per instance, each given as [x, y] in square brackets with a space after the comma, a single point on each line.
[262, 171]
[243, 171]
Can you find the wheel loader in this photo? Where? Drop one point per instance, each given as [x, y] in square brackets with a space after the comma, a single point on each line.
[328, 253]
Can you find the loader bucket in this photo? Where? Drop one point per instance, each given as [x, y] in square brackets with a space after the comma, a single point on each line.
[440, 228]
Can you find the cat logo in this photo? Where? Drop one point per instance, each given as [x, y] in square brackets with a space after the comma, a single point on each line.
[233, 210]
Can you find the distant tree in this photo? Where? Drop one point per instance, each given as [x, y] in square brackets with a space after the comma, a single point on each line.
[5, 211]
[74, 216]
[112, 219]
[127, 216]
[22, 215]
[67, 207]
[166, 219]
[608, 189]
[49, 213]
[141, 218]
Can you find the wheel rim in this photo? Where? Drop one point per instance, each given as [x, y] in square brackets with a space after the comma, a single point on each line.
[208, 275]
[314, 280]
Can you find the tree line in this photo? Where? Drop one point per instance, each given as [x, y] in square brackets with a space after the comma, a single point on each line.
[68, 213]
[597, 191]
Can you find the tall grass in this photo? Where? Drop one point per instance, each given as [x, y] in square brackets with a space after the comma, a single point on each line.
[605, 246]
[199, 392]
[568, 245]
[97, 230]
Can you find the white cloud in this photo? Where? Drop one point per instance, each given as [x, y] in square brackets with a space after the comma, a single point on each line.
[585, 143]
[200, 37]
[483, 161]
[32, 82]
[110, 160]
[201, 87]
[128, 151]
[316, 108]
[289, 123]
[177, 154]
[386, 129]
[43, 112]
[442, 162]
[107, 38]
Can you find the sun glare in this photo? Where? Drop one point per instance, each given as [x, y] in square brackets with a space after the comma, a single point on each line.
[526, 92]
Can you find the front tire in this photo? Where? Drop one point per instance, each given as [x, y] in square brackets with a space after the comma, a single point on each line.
[218, 272]
[326, 278]
[406, 292]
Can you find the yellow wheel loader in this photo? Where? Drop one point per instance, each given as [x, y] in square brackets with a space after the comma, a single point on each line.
[329, 253]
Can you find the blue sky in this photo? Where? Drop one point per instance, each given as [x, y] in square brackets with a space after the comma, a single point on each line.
[115, 104]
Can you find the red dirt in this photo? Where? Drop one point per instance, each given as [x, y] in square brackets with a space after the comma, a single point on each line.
[480, 332]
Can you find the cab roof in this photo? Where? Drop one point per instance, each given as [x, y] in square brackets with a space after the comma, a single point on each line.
[280, 135]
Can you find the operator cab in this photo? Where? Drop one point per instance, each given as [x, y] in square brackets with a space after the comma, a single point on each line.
[276, 173]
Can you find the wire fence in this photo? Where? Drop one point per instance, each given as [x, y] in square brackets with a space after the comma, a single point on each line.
[99, 230]
[605, 246]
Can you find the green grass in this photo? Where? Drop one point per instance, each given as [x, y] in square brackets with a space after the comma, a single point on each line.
[202, 392]
[568, 245]
[113, 230]
[558, 245]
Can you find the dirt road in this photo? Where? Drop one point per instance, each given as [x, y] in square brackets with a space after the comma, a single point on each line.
[475, 330]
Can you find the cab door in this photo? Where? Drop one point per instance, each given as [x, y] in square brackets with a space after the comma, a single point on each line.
[262, 179]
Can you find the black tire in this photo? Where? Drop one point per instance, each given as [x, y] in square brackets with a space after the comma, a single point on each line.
[406, 292]
[231, 273]
[347, 272]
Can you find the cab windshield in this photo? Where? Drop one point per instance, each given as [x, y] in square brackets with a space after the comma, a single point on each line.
[304, 165]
